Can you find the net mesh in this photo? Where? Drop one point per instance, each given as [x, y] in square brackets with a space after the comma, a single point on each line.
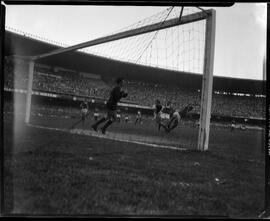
[179, 48]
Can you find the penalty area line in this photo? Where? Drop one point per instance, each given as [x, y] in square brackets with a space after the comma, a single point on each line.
[94, 134]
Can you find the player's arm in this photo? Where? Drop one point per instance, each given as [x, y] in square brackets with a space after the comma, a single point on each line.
[123, 94]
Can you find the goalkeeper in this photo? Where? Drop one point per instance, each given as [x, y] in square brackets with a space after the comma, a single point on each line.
[116, 94]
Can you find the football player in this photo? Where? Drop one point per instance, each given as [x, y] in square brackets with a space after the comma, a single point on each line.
[138, 118]
[177, 116]
[84, 111]
[115, 96]
[157, 113]
[96, 114]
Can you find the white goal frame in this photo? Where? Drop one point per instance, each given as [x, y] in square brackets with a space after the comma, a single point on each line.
[207, 79]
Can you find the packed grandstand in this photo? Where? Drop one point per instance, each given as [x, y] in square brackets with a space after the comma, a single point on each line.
[140, 93]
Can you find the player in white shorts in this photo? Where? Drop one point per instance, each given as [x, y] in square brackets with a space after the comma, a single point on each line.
[118, 116]
[126, 118]
[138, 118]
[177, 116]
[96, 114]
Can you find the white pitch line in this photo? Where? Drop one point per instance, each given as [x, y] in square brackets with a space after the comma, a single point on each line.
[95, 134]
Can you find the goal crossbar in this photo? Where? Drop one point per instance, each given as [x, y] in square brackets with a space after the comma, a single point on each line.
[125, 34]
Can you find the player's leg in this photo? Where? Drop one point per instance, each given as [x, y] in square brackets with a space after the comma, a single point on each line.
[126, 119]
[103, 119]
[174, 122]
[159, 126]
[171, 122]
[111, 119]
[164, 123]
[158, 121]
[164, 126]
[83, 116]
[82, 119]
[95, 117]
[173, 125]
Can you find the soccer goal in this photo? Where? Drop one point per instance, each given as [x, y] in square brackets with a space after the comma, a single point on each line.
[180, 40]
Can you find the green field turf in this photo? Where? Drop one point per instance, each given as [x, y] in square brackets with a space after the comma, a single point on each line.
[54, 173]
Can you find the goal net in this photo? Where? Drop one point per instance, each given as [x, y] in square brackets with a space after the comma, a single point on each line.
[178, 40]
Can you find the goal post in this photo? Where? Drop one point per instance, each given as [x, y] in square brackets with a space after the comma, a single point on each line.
[207, 83]
[31, 66]
[26, 65]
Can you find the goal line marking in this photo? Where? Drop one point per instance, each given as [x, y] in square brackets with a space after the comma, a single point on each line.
[95, 134]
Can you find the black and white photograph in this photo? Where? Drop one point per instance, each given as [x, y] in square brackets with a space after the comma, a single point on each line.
[134, 111]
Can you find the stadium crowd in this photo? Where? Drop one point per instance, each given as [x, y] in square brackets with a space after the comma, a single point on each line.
[141, 93]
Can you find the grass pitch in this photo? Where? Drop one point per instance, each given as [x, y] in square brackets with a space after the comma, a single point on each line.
[56, 173]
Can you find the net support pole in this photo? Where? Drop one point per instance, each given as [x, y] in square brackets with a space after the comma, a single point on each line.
[207, 83]
[31, 66]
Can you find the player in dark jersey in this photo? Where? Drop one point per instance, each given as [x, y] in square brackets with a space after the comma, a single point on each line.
[177, 116]
[158, 107]
[157, 113]
[116, 94]
[168, 108]
[84, 111]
